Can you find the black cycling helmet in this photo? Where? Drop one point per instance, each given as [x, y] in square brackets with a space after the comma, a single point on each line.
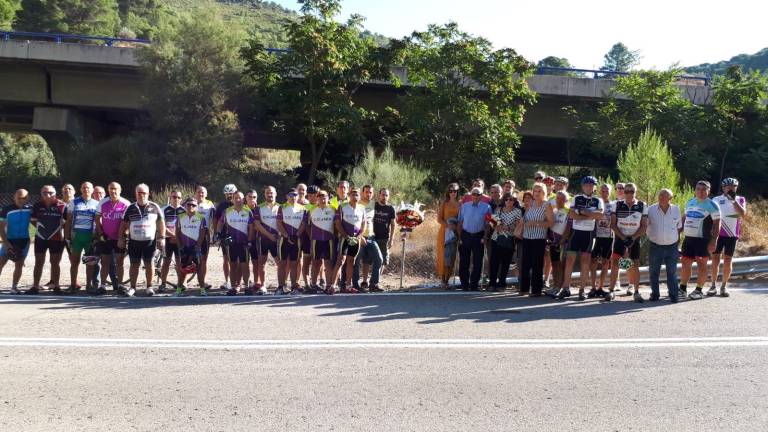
[312, 189]
[730, 181]
[589, 180]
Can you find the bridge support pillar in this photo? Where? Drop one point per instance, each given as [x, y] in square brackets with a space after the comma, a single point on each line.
[69, 136]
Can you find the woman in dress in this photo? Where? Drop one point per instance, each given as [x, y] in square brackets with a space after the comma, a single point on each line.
[449, 209]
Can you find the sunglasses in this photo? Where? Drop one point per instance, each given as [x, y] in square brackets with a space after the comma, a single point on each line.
[619, 188]
[453, 190]
[191, 205]
[175, 197]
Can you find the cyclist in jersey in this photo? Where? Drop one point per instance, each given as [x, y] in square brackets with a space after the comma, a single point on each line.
[601, 254]
[265, 224]
[14, 231]
[78, 231]
[629, 223]
[109, 216]
[585, 210]
[322, 235]
[301, 190]
[221, 207]
[207, 209]
[701, 227]
[171, 214]
[305, 242]
[236, 221]
[191, 233]
[48, 216]
[290, 221]
[733, 208]
[252, 202]
[619, 191]
[558, 238]
[349, 221]
[342, 195]
[370, 257]
[98, 194]
[67, 193]
[143, 220]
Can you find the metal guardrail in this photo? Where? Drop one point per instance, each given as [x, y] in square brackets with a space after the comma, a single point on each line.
[7, 35]
[607, 74]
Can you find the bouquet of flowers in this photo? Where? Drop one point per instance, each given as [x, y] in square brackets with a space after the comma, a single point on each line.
[492, 219]
[409, 216]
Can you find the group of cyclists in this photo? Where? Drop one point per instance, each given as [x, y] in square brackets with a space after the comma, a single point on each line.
[319, 242]
[324, 243]
[551, 232]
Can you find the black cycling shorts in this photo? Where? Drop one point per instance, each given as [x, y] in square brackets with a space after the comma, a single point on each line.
[55, 246]
[139, 251]
[603, 248]
[268, 247]
[581, 242]
[238, 253]
[111, 246]
[349, 250]
[726, 246]
[619, 249]
[695, 247]
[171, 249]
[288, 251]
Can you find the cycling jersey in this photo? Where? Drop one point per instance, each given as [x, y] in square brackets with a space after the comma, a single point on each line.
[583, 202]
[207, 208]
[730, 221]
[111, 216]
[267, 215]
[321, 220]
[189, 228]
[561, 221]
[370, 212]
[352, 219]
[83, 214]
[17, 220]
[699, 217]
[171, 215]
[628, 217]
[334, 202]
[142, 221]
[218, 213]
[50, 219]
[603, 228]
[292, 216]
[237, 222]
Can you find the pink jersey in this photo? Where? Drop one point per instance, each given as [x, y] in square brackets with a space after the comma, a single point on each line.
[111, 216]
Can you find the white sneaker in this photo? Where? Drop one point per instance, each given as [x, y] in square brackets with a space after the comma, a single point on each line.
[712, 291]
[130, 292]
[263, 290]
[149, 292]
[15, 291]
[696, 295]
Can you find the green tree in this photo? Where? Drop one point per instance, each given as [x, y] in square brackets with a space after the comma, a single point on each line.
[736, 95]
[25, 161]
[191, 73]
[463, 103]
[651, 166]
[90, 17]
[8, 10]
[140, 17]
[620, 58]
[307, 91]
[556, 62]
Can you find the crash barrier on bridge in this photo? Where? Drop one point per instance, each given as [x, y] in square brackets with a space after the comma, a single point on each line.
[607, 74]
[741, 267]
[67, 38]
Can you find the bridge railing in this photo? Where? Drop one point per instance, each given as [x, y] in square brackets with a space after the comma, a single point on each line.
[71, 38]
[606, 74]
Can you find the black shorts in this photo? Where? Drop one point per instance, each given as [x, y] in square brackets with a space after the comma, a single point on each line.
[253, 249]
[555, 252]
[268, 247]
[55, 246]
[695, 247]
[288, 251]
[581, 242]
[323, 249]
[238, 252]
[349, 250]
[619, 249]
[305, 244]
[139, 251]
[726, 246]
[111, 246]
[603, 248]
[171, 249]
[187, 253]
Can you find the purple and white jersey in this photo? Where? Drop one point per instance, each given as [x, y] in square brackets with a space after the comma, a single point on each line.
[352, 219]
[730, 221]
[292, 216]
[267, 216]
[112, 215]
[189, 228]
[321, 223]
[237, 223]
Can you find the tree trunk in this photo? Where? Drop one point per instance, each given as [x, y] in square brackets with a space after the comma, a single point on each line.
[725, 153]
[317, 155]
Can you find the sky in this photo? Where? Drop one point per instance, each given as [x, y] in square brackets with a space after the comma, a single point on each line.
[665, 32]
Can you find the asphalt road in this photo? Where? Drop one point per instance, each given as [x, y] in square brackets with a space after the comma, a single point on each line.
[396, 362]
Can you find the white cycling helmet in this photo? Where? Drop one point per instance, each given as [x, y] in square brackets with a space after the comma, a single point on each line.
[230, 188]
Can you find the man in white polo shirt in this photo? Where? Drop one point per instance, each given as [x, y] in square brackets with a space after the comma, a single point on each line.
[664, 227]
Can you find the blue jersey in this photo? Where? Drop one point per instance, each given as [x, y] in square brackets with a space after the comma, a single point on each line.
[18, 219]
[699, 217]
[83, 214]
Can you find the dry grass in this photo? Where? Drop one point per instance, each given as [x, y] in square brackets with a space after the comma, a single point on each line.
[755, 235]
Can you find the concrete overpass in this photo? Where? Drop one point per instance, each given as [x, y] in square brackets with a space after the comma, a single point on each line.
[72, 94]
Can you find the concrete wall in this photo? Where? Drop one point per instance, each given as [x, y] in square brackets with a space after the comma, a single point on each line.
[48, 52]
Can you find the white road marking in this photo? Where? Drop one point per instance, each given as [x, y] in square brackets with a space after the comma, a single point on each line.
[224, 344]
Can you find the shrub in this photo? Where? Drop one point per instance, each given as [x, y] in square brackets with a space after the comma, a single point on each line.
[404, 179]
